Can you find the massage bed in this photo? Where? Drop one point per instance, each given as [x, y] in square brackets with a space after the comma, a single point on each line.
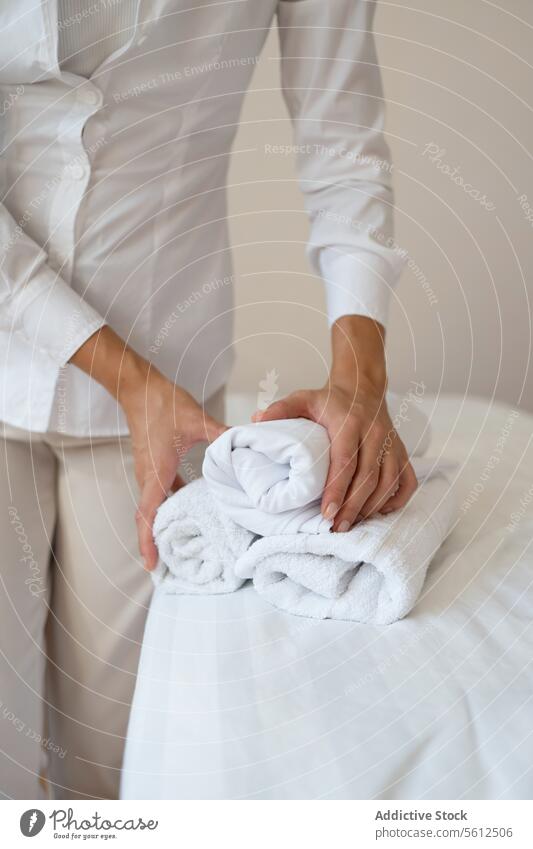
[238, 700]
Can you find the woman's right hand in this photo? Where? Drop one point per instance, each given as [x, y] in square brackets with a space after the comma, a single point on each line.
[164, 422]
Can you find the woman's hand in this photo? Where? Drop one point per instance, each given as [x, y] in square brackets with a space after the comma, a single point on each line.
[369, 468]
[164, 422]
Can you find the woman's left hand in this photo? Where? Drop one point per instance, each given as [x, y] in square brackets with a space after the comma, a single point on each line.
[369, 469]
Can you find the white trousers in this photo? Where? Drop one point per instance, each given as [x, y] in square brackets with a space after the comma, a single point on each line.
[73, 601]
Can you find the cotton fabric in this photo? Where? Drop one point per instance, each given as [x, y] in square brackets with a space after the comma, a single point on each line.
[113, 190]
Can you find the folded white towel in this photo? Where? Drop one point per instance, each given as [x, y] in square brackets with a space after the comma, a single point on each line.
[269, 477]
[198, 545]
[374, 573]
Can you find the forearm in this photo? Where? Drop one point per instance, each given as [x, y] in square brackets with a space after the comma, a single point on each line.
[358, 353]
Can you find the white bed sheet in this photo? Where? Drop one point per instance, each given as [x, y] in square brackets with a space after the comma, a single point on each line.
[235, 699]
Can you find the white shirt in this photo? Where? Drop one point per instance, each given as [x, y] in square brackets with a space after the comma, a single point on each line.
[113, 190]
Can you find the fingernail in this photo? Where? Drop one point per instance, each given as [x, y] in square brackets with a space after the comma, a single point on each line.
[331, 510]
[344, 526]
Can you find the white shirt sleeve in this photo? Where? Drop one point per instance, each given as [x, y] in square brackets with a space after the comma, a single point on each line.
[332, 86]
[35, 301]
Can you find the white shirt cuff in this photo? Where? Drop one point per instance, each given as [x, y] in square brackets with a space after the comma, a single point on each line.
[358, 284]
[53, 317]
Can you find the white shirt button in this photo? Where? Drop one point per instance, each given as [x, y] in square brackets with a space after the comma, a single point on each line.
[76, 170]
[90, 95]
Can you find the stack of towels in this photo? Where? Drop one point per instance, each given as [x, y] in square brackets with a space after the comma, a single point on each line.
[255, 515]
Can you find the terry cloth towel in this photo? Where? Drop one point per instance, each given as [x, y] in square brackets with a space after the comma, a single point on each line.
[373, 574]
[269, 477]
[198, 545]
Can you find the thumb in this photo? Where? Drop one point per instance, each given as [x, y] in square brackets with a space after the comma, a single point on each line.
[291, 407]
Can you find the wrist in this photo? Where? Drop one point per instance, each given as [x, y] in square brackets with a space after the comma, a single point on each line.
[368, 382]
[358, 355]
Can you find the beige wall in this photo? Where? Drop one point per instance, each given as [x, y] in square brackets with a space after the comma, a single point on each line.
[456, 76]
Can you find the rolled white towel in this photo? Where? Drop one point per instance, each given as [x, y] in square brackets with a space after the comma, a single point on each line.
[198, 545]
[373, 574]
[269, 477]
